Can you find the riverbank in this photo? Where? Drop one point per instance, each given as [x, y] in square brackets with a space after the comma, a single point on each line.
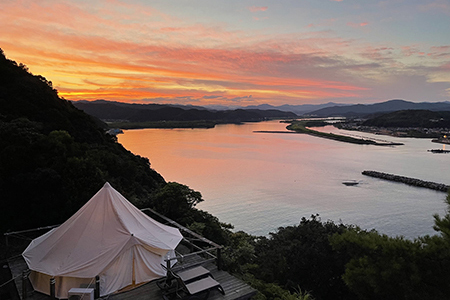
[300, 127]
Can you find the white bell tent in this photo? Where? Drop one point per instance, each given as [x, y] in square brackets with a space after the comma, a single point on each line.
[108, 237]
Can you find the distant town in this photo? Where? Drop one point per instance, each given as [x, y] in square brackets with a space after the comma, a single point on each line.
[439, 135]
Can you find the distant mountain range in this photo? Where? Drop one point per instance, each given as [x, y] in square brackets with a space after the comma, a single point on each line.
[297, 109]
[364, 110]
[117, 111]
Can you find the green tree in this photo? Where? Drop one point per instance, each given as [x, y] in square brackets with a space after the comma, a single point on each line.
[175, 200]
[442, 224]
[239, 255]
[383, 267]
[301, 256]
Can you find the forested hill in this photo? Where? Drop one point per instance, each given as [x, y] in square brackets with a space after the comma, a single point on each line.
[117, 111]
[54, 157]
[412, 118]
[364, 110]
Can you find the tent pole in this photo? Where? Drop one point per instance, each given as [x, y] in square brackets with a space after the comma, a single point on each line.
[133, 276]
[97, 287]
[219, 259]
[52, 288]
[24, 284]
[168, 265]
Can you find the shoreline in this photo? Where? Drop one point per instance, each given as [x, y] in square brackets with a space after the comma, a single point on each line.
[298, 127]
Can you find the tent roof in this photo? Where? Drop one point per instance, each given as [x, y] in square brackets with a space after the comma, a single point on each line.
[89, 241]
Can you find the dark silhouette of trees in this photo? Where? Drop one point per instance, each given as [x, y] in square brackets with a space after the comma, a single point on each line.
[54, 157]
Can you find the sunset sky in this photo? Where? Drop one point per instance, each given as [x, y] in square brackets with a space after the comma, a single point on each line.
[234, 52]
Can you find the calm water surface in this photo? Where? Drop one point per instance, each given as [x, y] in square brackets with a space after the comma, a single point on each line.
[261, 181]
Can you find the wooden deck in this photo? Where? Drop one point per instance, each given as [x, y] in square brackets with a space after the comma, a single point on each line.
[192, 251]
[235, 289]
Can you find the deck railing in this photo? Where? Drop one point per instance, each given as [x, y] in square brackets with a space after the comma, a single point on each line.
[201, 250]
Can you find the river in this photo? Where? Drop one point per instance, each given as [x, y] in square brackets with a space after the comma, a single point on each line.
[261, 181]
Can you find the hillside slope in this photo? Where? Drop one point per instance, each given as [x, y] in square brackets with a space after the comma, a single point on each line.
[54, 157]
[412, 118]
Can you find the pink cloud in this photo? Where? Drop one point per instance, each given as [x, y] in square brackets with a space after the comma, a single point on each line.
[410, 50]
[257, 8]
[381, 54]
[123, 52]
[439, 52]
[90, 56]
[357, 25]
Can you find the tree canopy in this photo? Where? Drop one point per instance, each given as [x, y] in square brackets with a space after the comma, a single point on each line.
[54, 157]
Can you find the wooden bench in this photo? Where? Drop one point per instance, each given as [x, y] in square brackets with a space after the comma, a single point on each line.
[202, 285]
[194, 273]
[186, 275]
[192, 282]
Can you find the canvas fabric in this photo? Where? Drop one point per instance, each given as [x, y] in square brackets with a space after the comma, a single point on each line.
[108, 237]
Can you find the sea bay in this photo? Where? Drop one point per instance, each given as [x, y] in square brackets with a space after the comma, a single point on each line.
[261, 181]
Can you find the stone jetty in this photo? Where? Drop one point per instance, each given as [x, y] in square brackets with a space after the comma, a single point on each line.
[408, 180]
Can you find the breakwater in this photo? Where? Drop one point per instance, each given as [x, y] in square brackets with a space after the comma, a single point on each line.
[408, 180]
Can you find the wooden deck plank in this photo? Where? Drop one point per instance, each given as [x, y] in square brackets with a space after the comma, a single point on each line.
[235, 289]
[16, 267]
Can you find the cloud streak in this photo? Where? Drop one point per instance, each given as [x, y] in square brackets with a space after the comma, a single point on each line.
[133, 52]
[257, 8]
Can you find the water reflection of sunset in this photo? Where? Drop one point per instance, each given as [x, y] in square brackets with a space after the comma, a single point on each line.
[203, 153]
[259, 181]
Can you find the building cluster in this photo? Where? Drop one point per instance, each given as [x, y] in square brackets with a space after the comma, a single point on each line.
[439, 133]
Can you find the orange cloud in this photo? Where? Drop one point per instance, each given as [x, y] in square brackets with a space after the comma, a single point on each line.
[130, 52]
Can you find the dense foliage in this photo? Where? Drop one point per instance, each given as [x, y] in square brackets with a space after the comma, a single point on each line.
[295, 257]
[336, 261]
[54, 157]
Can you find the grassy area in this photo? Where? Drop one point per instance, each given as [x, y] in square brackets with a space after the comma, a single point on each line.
[300, 127]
